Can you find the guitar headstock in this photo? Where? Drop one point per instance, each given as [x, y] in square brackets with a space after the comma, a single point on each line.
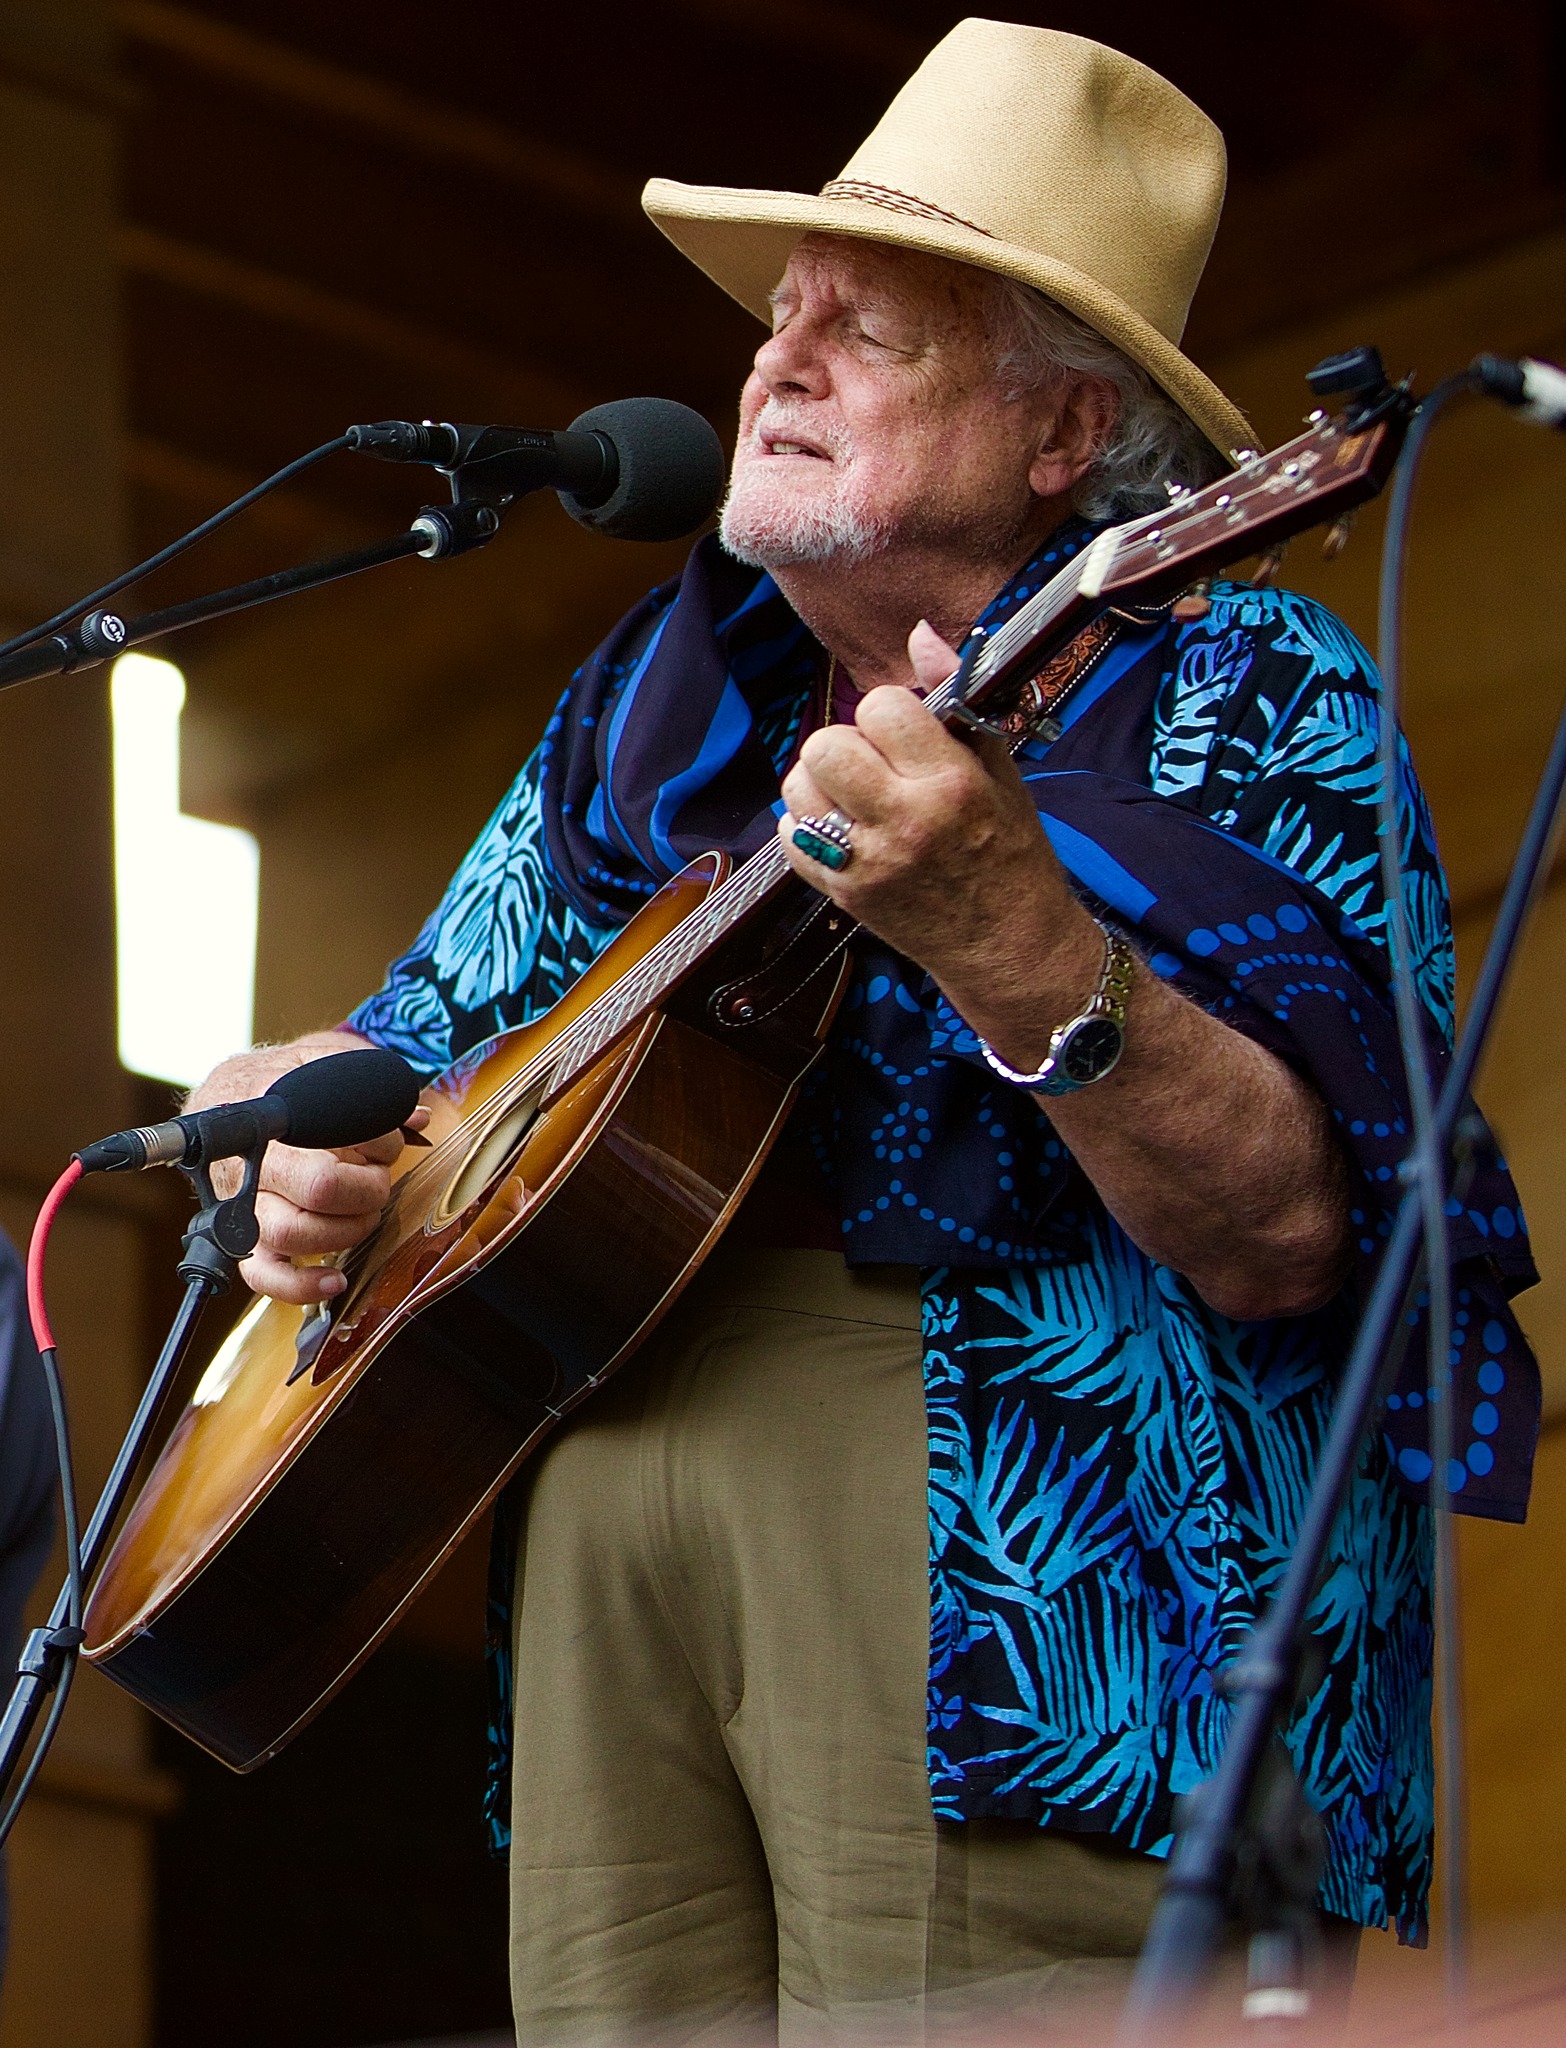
[1316, 477]
[1336, 464]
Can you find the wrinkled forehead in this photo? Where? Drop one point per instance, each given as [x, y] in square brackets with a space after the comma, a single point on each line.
[932, 290]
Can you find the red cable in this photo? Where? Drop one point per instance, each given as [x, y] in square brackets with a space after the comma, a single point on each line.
[37, 1314]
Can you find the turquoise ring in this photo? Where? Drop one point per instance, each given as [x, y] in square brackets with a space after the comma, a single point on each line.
[826, 840]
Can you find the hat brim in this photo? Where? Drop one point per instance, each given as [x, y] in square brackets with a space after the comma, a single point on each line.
[743, 240]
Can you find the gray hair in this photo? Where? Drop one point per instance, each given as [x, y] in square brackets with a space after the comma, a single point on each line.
[1151, 443]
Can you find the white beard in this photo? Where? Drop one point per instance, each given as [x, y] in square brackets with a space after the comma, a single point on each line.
[769, 529]
[782, 536]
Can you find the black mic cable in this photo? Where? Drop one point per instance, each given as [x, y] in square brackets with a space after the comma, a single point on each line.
[635, 469]
[1536, 391]
[175, 547]
[1426, 1168]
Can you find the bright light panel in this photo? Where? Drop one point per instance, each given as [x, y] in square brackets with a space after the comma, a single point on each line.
[186, 893]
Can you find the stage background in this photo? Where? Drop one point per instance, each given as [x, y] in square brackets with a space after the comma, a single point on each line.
[227, 229]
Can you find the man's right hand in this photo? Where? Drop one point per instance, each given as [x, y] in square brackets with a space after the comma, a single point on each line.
[310, 1202]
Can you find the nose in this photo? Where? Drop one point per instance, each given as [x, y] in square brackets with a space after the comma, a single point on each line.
[793, 362]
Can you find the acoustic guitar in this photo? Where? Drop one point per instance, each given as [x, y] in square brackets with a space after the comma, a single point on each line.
[580, 1169]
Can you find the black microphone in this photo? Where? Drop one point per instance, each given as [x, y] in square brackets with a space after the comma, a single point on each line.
[1535, 391]
[636, 469]
[345, 1099]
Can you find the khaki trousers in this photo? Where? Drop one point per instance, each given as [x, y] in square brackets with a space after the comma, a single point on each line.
[722, 1820]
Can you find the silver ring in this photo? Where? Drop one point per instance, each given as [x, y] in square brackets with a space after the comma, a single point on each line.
[826, 840]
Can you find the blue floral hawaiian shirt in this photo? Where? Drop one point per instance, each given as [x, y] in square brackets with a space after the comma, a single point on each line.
[1116, 1471]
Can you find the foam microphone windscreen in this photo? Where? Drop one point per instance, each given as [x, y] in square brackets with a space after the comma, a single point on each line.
[672, 470]
[347, 1098]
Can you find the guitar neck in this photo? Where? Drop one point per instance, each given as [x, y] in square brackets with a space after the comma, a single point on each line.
[656, 976]
[1321, 475]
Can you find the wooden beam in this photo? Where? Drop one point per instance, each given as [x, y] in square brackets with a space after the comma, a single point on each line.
[399, 117]
[813, 26]
[97, 92]
[147, 252]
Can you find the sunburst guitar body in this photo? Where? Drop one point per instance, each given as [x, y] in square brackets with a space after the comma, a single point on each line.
[579, 1170]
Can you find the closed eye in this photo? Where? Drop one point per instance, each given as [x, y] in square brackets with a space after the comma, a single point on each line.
[882, 342]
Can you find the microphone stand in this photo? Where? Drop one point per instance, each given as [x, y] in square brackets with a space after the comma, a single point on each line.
[439, 532]
[222, 1231]
[1240, 1823]
[219, 1235]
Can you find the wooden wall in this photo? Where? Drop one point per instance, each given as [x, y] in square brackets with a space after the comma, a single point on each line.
[80, 1860]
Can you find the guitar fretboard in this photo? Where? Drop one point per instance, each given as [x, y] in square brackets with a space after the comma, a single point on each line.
[653, 978]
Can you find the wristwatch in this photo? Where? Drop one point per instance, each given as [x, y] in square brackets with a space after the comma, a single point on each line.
[1085, 1048]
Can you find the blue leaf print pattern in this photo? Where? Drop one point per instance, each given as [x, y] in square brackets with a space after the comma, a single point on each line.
[496, 906]
[1259, 761]
[1116, 1471]
[501, 948]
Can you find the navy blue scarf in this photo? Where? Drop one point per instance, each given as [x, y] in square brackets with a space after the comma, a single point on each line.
[670, 742]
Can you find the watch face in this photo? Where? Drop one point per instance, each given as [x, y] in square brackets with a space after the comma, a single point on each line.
[1089, 1050]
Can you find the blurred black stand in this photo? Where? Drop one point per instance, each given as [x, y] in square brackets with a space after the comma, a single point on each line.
[1238, 1856]
[219, 1235]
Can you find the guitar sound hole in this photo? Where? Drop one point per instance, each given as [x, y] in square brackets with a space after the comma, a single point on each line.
[486, 1159]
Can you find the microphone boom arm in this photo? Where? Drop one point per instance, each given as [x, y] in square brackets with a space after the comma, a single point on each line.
[439, 532]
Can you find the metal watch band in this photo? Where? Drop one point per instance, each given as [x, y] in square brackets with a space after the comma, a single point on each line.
[1109, 1001]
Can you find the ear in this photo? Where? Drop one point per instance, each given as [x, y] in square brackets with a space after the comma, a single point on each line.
[1081, 422]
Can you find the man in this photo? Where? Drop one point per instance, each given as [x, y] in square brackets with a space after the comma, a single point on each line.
[1065, 1232]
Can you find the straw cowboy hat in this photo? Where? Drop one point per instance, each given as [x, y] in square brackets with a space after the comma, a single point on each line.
[1036, 154]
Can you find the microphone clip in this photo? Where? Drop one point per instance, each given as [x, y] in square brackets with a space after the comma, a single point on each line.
[457, 528]
[224, 1229]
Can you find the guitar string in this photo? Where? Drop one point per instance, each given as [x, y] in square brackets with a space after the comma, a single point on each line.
[620, 1008]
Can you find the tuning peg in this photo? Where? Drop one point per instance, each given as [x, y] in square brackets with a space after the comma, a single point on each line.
[1193, 603]
[1268, 567]
[1336, 538]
